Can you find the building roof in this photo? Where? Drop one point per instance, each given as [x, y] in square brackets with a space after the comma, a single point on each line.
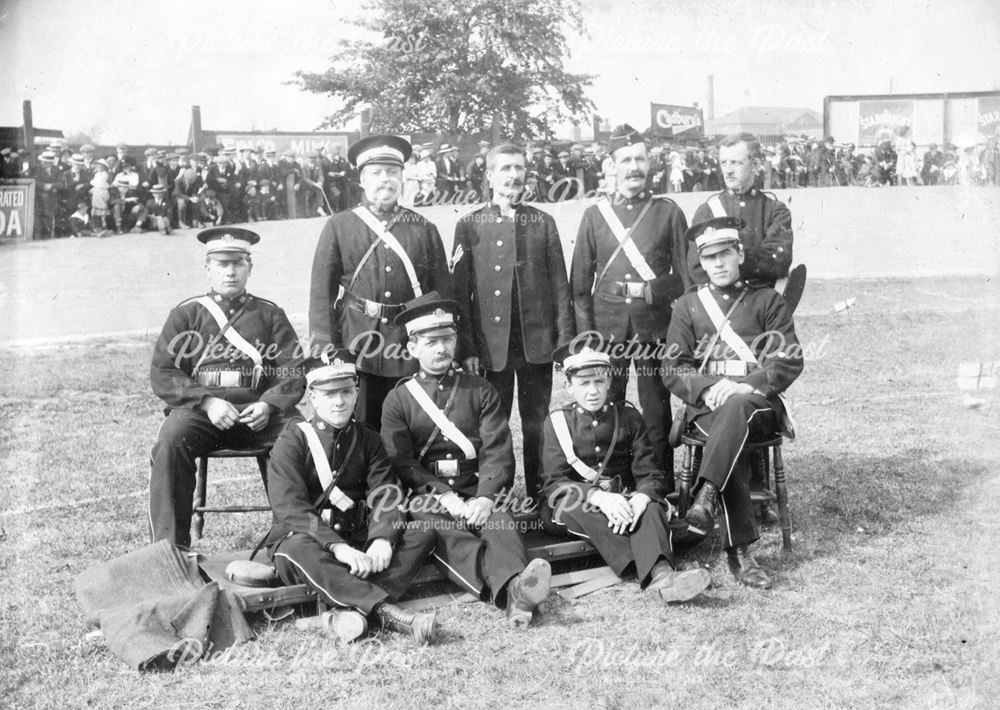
[765, 120]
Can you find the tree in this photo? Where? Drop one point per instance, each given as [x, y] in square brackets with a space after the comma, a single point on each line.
[455, 66]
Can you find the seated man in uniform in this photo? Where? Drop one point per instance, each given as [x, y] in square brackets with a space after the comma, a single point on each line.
[447, 436]
[731, 351]
[602, 482]
[221, 365]
[337, 523]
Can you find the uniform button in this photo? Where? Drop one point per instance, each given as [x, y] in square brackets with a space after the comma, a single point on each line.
[743, 204]
[388, 269]
[628, 207]
[628, 300]
[597, 449]
[445, 437]
[387, 294]
[499, 242]
[499, 220]
[218, 297]
[628, 276]
[448, 456]
[497, 292]
[231, 311]
[451, 481]
[336, 526]
[496, 319]
[383, 320]
[497, 267]
[725, 296]
[593, 423]
[440, 387]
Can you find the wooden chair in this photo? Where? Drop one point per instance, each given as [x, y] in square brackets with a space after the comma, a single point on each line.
[201, 480]
[761, 453]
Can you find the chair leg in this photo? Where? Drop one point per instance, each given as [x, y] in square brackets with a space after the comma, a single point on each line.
[684, 485]
[781, 491]
[262, 465]
[198, 518]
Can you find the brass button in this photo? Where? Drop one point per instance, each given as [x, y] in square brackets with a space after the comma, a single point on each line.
[593, 423]
[496, 319]
[628, 300]
[743, 204]
[451, 481]
[387, 294]
[449, 456]
[499, 242]
[628, 207]
[388, 269]
[497, 292]
[336, 526]
[497, 267]
[597, 449]
[383, 320]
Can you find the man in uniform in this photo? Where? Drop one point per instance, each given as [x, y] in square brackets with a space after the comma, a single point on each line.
[731, 352]
[382, 255]
[337, 523]
[449, 443]
[221, 364]
[603, 484]
[509, 267]
[628, 267]
[766, 233]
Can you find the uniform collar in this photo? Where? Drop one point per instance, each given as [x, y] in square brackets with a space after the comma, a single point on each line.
[752, 192]
[223, 300]
[428, 377]
[621, 199]
[381, 214]
[593, 415]
[735, 287]
[322, 425]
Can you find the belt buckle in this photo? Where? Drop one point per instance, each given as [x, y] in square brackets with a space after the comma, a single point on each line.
[633, 289]
[229, 378]
[604, 484]
[371, 309]
[447, 468]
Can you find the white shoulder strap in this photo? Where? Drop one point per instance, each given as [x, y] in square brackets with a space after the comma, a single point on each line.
[715, 204]
[624, 237]
[566, 444]
[439, 418]
[337, 497]
[373, 224]
[726, 332]
[237, 340]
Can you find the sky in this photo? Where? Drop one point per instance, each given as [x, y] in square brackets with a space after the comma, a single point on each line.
[130, 71]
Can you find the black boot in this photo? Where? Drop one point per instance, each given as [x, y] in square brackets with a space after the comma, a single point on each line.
[421, 626]
[746, 569]
[677, 585]
[701, 515]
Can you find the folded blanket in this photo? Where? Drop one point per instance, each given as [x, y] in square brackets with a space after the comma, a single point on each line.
[156, 612]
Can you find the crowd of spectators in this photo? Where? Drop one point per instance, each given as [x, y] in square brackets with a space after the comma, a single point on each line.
[80, 194]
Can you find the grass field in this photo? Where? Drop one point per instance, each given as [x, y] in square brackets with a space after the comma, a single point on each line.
[889, 600]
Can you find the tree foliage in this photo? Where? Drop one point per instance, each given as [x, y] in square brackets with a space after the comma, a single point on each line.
[455, 65]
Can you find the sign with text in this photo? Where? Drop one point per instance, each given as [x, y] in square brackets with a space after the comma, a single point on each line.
[681, 121]
[17, 209]
[301, 143]
[881, 120]
[988, 116]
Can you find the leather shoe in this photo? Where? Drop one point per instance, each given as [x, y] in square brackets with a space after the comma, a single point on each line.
[768, 516]
[346, 625]
[701, 515]
[677, 585]
[422, 626]
[746, 569]
[526, 591]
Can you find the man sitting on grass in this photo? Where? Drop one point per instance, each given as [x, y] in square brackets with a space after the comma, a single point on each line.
[731, 351]
[602, 482]
[337, 524]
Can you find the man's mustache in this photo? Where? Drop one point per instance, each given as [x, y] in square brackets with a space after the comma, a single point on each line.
[635, 174]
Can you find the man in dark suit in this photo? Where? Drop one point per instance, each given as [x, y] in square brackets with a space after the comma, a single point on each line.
[383, 255]
[766, 231]
[629, 265]
[449, 173]
[510, 278]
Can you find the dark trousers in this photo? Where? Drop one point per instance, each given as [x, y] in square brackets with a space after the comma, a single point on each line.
[723, 463]
[654, 399]
[644, 547]
[185, 435]
[299, 559]
[372, 391]
[480, 560]
[534, 392]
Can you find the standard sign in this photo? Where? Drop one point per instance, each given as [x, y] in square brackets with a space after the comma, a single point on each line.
[17, 208]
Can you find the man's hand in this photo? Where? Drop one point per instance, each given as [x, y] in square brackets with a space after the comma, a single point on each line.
[716, 395]
[477, 511]
[380, 554]
[471, 364]
[220, 412]
[358, 561]
[454, 504]
[638, 503]
[256, 415]
[615, 508]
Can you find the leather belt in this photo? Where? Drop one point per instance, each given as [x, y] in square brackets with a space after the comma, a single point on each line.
[224, 378]
[449, 468]
[729, 368]
[628, 289]
[374, 309]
